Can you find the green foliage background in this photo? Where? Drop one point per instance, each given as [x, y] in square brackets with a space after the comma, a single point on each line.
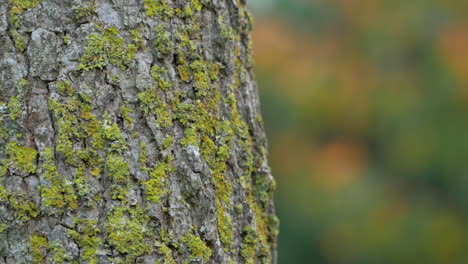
[366, 108]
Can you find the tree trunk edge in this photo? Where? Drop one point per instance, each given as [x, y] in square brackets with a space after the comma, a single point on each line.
[130, 132]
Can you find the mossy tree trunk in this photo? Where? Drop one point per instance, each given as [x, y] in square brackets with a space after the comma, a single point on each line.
[130, 132]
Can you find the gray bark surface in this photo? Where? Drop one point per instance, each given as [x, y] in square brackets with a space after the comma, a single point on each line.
[130, 132]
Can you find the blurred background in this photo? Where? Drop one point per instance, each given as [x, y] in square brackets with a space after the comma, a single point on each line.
[366, 109]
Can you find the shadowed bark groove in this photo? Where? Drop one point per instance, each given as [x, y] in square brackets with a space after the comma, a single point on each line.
[130, 132]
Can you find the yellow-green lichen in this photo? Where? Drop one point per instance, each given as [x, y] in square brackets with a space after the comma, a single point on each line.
[164, 250]
[162, 40]
[76, 122]
[3, 194]
[106, 48]
[127, 229]
[81, 183]
[136, 38]
[206, 129]
[155, 187]
[85, 233]
[22, 158]
[158, 75]
[117, 168]
[84, 10]
[200, 252]
[152, 104]
[14, 108]
[57, 194]
[125, 112]
[158, 8]
[59, 254]
[3, 227]
[66, 40]
[24, 208]
[196, 5]
[18, 39]
[18, 7]
[226, 31]
[4, 131]
[38, 246]
[250, 245]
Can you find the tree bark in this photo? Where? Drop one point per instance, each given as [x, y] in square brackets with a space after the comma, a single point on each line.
[130, 132]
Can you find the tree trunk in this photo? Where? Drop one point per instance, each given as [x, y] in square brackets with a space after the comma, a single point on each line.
[130, 132]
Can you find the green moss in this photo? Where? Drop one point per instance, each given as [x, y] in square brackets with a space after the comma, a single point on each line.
[227, 32]
[4, 194]
[4, 131]
[206, 129]
[117, 169]
[65, 88]
[162, 40]
[85, 233]
[190, 137]
[184, 72]
[85, 10]
[3, 227]
[136, 38]
[265, 233]
[38, 245]
[127, 229]
[224, 227]
[19, 6]
[125, 112]
[119, 192]
[76, 122]
[201, 77]
[18, 39]
[59, 254]
[198, 249]
[158, 74]
[159, 8]
[57, 194]
[66, 40]
[81, 184]
[250, 245]
[151, 104]
[164, 250]
[196, 5]
[24, 208]
[104, 49]
[21, 84]
[143, 156]
[155, 187]
[22, 158]
[14, 108]
[111, 131]
[167, 142]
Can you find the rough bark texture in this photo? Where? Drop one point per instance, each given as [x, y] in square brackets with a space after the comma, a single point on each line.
[130, 132]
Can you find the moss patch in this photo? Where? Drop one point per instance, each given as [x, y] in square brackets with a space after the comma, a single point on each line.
[85, 233]
[106, 48]
[155, 187]
[127, 229]
[57, 193]
[22, 158]
[198, 249]
[162, 40]
[38, 245]
[14, 108]
[158, 8]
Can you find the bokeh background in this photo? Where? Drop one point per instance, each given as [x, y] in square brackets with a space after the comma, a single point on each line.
[366, 108]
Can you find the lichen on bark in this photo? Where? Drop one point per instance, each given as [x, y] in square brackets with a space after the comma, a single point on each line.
[129, 133]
